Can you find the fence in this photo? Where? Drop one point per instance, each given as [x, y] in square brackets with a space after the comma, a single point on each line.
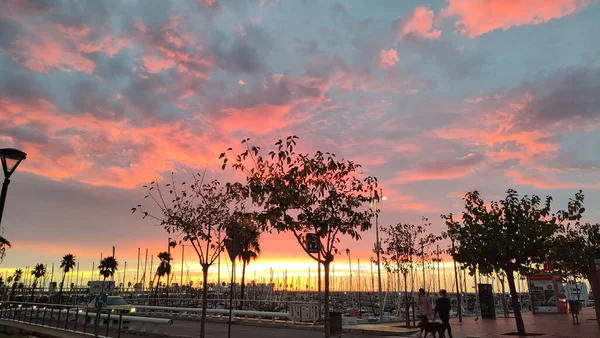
[196, 312]
[78, 318]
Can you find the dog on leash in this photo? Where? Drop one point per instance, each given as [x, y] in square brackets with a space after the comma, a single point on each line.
[429, 327]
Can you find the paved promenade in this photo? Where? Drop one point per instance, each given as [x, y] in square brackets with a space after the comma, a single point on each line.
[551, 325]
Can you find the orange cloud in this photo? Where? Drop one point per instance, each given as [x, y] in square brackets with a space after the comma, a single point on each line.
[107, 152]
[418, 25]
[480, 17]
[388, 58]
[259, 119]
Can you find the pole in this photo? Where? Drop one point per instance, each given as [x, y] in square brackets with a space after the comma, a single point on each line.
[319, 279]
[438, 268]
[145, 265]
[112, 277]
[182, 257]
[458, 297]
[219, 261]
[124, 273]
[3, 196]
[359, 311]
[423, 263]
[377, 248]
[137, 270]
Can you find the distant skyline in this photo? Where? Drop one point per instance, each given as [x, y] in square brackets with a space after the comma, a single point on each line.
[434, 98]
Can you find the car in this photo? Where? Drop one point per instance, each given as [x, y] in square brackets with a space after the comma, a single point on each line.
[115, 304]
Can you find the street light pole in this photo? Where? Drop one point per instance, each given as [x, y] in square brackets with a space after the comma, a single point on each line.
[11, 158]
[376, 200]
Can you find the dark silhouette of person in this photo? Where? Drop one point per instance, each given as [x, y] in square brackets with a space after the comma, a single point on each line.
[443, 307]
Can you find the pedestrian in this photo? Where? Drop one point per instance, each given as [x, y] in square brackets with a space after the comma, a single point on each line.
[425, 310]
[442, 307]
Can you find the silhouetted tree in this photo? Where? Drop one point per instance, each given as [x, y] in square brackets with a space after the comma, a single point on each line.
[16, 278]
[164, 267]
[38, 272]
[576, 244]
[306, 194]
[199, 213]
[66, 264]
[402, 244]
[250, 246]
[512, 235]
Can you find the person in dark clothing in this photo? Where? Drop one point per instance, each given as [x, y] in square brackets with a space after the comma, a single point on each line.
[442, 307]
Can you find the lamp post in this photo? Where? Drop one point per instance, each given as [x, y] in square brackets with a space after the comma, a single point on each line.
[10, 161]
[375, 202]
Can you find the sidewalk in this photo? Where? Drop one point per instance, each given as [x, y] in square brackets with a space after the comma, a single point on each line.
[550, 325]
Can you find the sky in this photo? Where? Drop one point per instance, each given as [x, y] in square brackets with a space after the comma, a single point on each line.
[434, 98]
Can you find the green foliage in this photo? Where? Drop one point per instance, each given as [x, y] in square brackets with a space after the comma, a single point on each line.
[305, 193]
[108, 266]
[513, 234]
[575, 243]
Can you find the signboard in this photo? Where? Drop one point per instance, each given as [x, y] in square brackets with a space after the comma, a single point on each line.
[312, 243]
[547, 295]
[96, 287]
[101, 301]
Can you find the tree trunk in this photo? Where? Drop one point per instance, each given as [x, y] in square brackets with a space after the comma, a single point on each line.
[204, 299]
[515, 302]
[243, 285]
[406, 305]
[60, 291]
[326, 314]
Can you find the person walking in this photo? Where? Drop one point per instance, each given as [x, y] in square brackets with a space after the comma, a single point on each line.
[425, 310]
[442, 307]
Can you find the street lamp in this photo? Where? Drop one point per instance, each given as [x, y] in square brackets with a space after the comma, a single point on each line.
[375, 201]
[10, 161]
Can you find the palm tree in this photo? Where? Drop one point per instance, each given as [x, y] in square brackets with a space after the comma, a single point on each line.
[250, 249]
[107, 267]
[16, 278]
[38, 272]
[164, 267]
[67, 264]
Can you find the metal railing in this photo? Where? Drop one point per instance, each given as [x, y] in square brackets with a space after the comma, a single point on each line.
[78, 318]
[220, 313]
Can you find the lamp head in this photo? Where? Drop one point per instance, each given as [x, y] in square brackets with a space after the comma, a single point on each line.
[11, 158]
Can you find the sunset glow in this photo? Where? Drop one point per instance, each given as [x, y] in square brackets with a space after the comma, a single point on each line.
[434, 98]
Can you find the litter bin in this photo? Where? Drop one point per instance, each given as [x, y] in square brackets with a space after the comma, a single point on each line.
[335, 320]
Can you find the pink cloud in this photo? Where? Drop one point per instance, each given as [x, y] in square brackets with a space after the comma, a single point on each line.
[259, 119]
[388, 58]
[420, 25]
[480, 17]
[538, 179]
[242, 83]
[441, 170]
